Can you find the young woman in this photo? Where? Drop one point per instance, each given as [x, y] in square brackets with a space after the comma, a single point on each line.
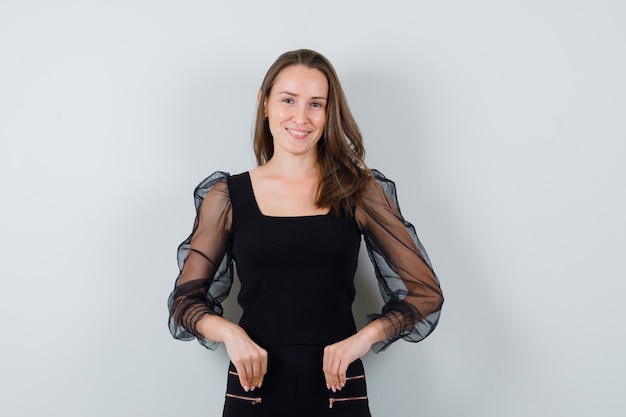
[293, 226]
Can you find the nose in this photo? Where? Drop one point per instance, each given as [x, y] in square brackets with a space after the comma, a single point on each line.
[300, 114]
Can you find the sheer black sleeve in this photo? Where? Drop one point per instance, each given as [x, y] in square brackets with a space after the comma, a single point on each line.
[409, 287]
[206, 271]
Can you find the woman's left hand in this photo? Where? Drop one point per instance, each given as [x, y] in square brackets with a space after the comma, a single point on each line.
[338, 356]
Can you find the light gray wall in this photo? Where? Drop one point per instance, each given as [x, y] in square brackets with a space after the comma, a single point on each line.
[501, 121]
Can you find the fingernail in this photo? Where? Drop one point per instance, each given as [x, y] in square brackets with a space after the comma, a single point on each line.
[327, 387]
[246, 388]
[334, 390]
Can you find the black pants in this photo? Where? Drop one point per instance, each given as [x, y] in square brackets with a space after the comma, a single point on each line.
[295, 387]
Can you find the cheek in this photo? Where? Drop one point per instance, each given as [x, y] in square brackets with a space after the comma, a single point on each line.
[319, 118]
[275, 127]
[274, 118]
[278, 114]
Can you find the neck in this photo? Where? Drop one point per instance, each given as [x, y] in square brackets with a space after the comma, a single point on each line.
[293, 166]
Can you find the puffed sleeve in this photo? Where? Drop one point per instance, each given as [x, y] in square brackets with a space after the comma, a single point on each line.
[206, 270]
[407, 282]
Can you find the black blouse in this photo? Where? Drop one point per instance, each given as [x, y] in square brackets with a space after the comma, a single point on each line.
[297, 273]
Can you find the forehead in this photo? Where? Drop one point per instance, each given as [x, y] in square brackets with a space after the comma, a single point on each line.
[301, 80]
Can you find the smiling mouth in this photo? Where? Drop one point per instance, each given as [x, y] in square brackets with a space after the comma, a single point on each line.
[298, 134]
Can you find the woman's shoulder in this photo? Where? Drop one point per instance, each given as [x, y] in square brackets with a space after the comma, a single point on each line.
[379, 181]
[219, 177]
[379, 191]
[220, 183]
[378, 177]
[212, 187]
[210, 182]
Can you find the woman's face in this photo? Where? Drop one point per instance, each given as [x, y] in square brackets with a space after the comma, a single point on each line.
[296, 110]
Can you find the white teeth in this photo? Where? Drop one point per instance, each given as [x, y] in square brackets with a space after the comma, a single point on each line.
[298, 133]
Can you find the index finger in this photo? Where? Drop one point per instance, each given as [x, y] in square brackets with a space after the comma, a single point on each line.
[244, 379]
[259, 369]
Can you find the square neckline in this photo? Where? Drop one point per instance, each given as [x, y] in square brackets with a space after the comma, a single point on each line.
[258, 209]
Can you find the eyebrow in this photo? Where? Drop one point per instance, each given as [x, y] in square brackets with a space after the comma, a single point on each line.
[295, 95]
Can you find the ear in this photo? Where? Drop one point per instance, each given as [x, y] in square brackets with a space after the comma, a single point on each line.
[258, 102]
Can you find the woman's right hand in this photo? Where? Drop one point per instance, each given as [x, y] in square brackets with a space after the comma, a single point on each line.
[249, 359]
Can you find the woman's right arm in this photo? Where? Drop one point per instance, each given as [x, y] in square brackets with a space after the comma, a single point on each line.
[206, 272]
[204, 282]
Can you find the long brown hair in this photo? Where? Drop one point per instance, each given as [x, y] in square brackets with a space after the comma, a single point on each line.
[340, 152]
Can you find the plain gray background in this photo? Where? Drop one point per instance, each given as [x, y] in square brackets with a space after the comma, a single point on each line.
[502, 123]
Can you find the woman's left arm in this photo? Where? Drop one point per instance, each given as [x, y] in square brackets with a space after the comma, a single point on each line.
[408, 284]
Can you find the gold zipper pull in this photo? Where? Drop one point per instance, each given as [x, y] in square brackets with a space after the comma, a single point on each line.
[331, 401]
[253, 400]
